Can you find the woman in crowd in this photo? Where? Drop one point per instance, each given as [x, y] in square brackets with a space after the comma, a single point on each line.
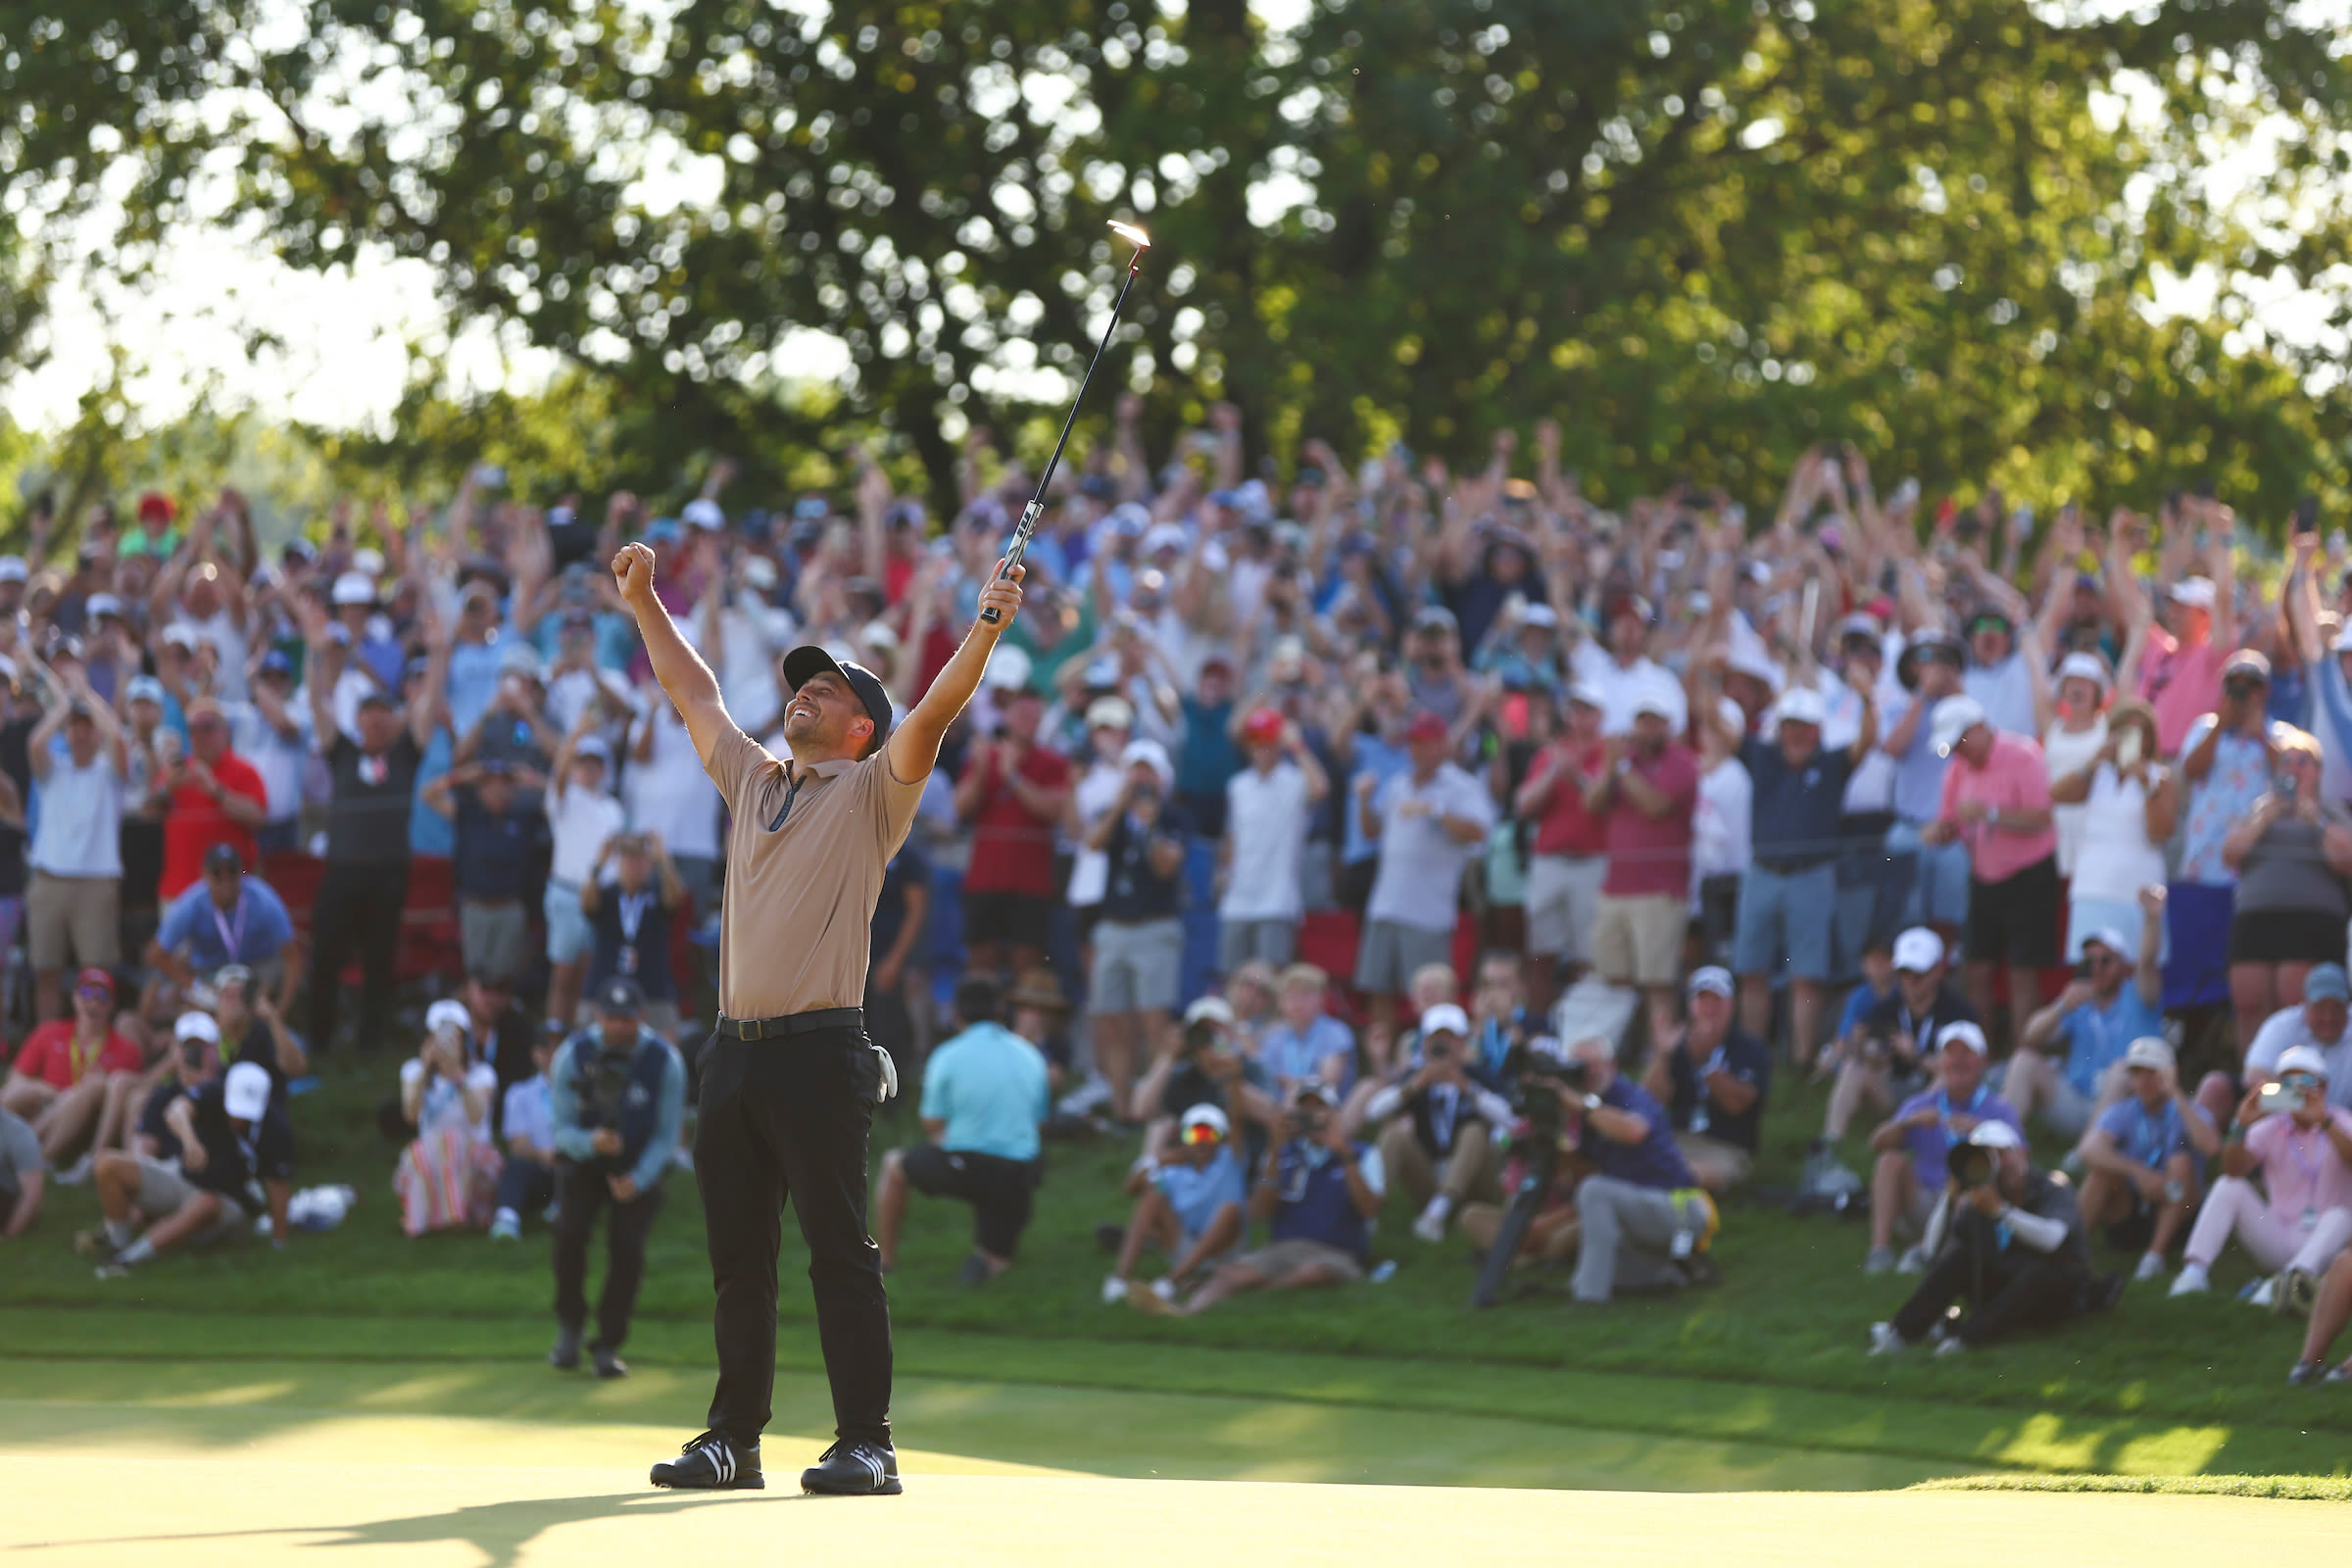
[447, 1174]
[2123, 804]
[2071, 742]
[2291, 853]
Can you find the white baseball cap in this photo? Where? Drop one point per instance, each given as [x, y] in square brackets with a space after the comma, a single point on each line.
[1649, 699]
[1008, 668]
[1585, 692]
[1109, 713]
[1961, 1032]
[1208, 1115]
[1803, 704]
[2194, 592]
[1955, 716]
[2149, 1051]
[1918, 950]
[446, 1013]
[2114, 941]
[1712, 979]
[703, 513]
[1995, 1135]
[1446, 1018]
[1217, 1009]
[197, 1026]
[14, 570]
[2303, 1059]
[354, 588]
[245, 1092]
[1538, 616]
[1144, 748]
[2088, 666]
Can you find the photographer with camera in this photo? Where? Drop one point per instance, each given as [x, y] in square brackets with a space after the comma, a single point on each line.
[2006, 1239]
[1442, 1113]
[1207, 1066]
[1139, 941]
[1915, 1142]
[1713, 1078]
[1645, 1223]
[2302, 1218]
[1318, 1197]
[253, 1029]
[2143, 1154]
[447, 1091]
[616, 1095]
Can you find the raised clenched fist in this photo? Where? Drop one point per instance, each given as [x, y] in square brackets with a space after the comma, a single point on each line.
[633, 570]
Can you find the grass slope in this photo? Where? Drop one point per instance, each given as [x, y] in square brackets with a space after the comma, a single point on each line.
[2159, 1386]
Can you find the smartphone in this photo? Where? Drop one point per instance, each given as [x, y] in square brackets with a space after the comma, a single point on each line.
[2127, 749]
[2277, 1098]
[2307, 513]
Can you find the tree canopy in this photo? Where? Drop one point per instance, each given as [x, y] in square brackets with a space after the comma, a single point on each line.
[1700, 232]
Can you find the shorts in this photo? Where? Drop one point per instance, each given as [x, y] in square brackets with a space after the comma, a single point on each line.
[2285, 936]
[1785, 921]
[1274, 943]
[1009, 920]
[569, 937]
[73, 916]
[1638, 941]
[1563, 899]
[2016, 920]
[1934, 877]
[1391, 953]
[164, 1188]
[495, 938]
[1278, 1258]
[999, 1189]
[1137, 966]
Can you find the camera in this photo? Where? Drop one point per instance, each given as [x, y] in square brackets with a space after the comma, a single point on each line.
[1200, 1034]
[1970, 1166]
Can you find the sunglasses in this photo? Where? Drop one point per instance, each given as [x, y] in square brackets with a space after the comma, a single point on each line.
[2300, 1081]
[1199, 1133]
[94, 993]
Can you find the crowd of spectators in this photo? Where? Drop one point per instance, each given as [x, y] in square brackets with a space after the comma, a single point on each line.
[1295, 822]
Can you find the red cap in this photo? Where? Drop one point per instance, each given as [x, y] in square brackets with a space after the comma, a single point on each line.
[156, 507]
[95, 977]
[1426, 726]
[1262, 728]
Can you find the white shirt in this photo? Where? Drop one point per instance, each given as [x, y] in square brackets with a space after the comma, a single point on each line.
[2284, 1030]
[1090, 869]
[277, 759]
[579, 822]
[1620, 684]
[80, 833]
[1722, 829]
[668, 793]
[2006, 690]
[444, 1105]
[1265, 824]
[221, 630]
[1421, 864]
[750, 637]
[2067, 751]
[2115, 858]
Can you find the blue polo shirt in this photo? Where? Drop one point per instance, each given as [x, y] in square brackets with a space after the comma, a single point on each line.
[1197, 1193]
[1918, 772]
[2098, 1036]
[1654, 1161]
[493, 849]
[989, 1086]
[1796, 810]
[259, 923]
[2151, 1138]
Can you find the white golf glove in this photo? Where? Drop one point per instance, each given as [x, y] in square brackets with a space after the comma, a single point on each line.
[890, 1075]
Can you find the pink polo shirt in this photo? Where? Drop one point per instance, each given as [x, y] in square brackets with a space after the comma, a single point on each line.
[2179, 684]
[2014, 777]
[2300, 1168]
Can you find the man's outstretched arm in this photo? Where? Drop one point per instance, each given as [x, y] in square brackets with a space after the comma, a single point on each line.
[915, 745]
[678, 667]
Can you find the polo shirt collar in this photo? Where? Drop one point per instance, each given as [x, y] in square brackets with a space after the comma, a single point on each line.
[833, 768]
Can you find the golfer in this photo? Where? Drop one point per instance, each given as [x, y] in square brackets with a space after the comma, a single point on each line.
[789, 1080]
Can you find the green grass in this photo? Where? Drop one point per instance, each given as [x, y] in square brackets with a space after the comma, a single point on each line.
[1774, 1356]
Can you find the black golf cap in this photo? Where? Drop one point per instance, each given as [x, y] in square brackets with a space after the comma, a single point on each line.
[223, 858]
[810, 661]
[621, 997]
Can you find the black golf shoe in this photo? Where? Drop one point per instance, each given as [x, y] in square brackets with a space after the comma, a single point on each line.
[565, 1355]
[609, 1364]
[854, 1470]
[712, 1462]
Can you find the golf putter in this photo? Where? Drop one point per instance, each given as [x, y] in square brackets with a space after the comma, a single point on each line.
[1036, 508]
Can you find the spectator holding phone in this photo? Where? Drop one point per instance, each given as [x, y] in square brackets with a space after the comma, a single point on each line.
[2225, 767]
[2301, 1218]
[2291, 853]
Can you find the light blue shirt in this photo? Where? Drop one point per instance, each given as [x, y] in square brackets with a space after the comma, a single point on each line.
[259, 923]
[1197, 1193]
[2098, 1036]
[473, 681]
[1291, 1056]
[1383, 762]
[1919, 772]
[989, 1086]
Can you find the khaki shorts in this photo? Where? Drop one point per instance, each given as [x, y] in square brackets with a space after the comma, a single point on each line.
[165, 1189]
[76, 917]
[1638, 941]
[1278, 1258]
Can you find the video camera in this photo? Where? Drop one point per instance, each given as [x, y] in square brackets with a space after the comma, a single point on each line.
[1535, 1077]
[1971, 1165]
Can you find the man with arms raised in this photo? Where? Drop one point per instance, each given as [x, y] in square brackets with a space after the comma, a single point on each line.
[790, 1082]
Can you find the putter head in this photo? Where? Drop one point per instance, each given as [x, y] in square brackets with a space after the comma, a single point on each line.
[1132, 235]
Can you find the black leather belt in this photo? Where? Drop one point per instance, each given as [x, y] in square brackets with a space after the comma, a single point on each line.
[799, 1023]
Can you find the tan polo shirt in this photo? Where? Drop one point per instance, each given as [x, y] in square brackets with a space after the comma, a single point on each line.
[798, 928]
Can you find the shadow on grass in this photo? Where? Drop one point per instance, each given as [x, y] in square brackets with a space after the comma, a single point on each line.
[499, 1531]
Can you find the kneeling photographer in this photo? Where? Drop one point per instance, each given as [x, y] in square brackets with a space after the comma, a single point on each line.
[1645, 1223]
[2007, 1240]
[616, 1095]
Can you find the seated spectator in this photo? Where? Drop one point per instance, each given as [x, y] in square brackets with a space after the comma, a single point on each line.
[1206, 1068]
[1189, 1206]
[23, 1178]
[63, 1073]
[1442, 1115]
[497, 834]
[1498, 1011]
[2007, 1243]
[1252, 991]
[1890, 1053]
[1875, 989]
[253, 1029]
[617, 1097]
[1644, 1222]
[1269, 807]
[528, 1178]
[2302, 1218]
[1713, 1077]
[1431, 821]
[229, 917]
[631, 898]
[448, 1173]
[2321, 1023]
[1915, 1142]
[2097, 1019]
[1308, 1042]
[2142, 1156]
[1318, 1196]
[984, 1099]
[195, 1063]
[236, 1162]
